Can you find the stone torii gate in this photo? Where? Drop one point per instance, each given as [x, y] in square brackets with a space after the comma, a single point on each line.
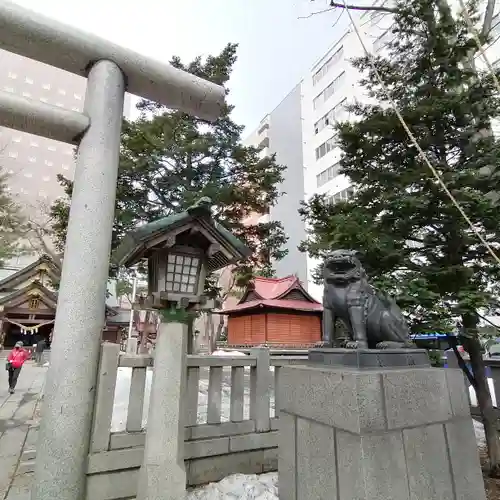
[110, 70]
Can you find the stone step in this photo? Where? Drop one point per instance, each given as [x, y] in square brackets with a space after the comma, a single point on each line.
[25, 467]
[28, 455]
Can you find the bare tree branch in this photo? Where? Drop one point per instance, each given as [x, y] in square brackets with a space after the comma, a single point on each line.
[316, 13]
[377, 8]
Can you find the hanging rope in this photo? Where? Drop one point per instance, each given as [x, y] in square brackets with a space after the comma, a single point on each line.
[28, 329]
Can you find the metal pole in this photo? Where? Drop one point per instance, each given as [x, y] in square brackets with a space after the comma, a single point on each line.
[134, 291]
[69, 396]
[132, 342]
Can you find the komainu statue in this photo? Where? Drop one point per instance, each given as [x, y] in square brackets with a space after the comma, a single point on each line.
[373, 320]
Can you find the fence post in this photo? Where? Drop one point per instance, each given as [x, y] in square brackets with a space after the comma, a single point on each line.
[259, 388]
[105, 396]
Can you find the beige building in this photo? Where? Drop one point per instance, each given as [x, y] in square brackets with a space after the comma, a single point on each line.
[31, 162]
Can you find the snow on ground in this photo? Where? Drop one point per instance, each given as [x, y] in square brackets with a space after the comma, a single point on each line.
[479, 432]
[220, 352]
[239, 487]
[473, 398]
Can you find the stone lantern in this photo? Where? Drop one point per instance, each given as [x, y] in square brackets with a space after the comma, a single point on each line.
[181, 250]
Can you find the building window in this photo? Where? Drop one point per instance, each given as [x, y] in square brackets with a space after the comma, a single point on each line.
[12, 75]
[331, 117]
[16, 139]
[34, 303]
[61, 91]
[336, 57]
[48, 163]
[26, 94]
[329, 91]
[8, 89]
[46, 86]
[327, 175]
[343, 195]
[13, 154]
[46, 178]
[29, 81]
[78, 97]
[326, 147]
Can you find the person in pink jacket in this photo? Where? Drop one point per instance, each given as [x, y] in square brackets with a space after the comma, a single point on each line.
[15, 362]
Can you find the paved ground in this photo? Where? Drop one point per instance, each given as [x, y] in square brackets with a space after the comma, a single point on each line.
[18, 415]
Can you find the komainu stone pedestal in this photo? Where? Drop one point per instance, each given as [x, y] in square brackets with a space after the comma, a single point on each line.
[376, 434]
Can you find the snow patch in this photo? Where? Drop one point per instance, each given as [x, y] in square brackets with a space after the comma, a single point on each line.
[239, 487]
[221, 352]
[479, 432]
[473, 398]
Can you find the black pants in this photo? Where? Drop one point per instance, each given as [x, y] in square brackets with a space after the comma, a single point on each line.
[13, 376]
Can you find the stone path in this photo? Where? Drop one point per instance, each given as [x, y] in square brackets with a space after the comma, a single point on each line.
[18, 420]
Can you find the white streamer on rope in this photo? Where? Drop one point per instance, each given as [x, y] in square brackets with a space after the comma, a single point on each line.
[421, 152]
[28, 329]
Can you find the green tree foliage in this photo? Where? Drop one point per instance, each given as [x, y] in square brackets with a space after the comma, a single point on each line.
[169, 160]
[416, 245]
[12, 224]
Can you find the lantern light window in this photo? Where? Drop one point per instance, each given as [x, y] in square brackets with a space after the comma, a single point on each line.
[182, 273]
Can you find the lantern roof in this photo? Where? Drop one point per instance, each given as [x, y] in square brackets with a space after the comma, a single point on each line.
[225, 248]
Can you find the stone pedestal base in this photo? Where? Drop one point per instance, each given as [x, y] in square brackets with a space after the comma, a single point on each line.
[380, 434]
[369, 359]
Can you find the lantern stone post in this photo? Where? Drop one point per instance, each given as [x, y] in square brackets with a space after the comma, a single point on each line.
[180, 250]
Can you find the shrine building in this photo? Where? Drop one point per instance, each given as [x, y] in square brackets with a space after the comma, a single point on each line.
[28, 302]
[274, 312]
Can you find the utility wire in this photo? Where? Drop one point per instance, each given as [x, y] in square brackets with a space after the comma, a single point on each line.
[421, 152]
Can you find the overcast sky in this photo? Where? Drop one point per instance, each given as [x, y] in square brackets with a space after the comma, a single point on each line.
[276, 47]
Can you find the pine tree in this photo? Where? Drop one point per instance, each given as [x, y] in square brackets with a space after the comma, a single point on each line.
[415, 243]
[169, 160]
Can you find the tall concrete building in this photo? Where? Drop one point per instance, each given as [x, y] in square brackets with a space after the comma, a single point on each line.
[280, 133]
[31, 162]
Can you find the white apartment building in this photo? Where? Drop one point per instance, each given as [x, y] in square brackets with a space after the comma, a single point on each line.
[331, 83]
[280, 133]
[31, 162]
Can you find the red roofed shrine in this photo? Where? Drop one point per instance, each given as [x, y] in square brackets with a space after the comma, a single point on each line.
[276, 311]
